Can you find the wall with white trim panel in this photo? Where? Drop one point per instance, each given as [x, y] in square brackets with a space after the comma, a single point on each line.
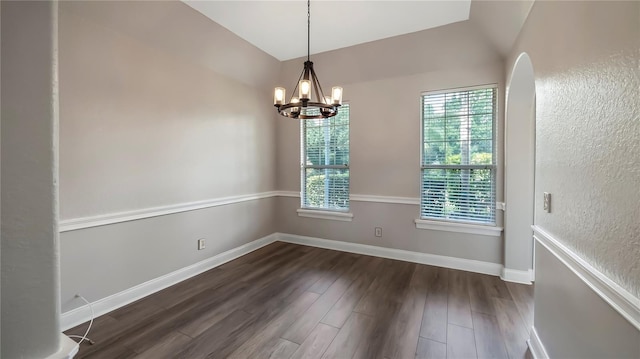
[585, 57]
[159, 106]
[384, 92]
[398, 231]
[30, 257]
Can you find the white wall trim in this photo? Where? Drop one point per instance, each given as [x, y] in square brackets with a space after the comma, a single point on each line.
[102, 306]
[458, 227]
[366, 198]
[134, 215]
[385, 199]
[535, 345]
[619, 298]
[332, 215]
[288, 194]
[392, 253]
[517, 276]
[137, 214]
[414, 201]
[118, 217]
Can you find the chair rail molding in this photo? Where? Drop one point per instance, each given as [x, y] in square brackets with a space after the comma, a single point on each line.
[137, 214]
[617, 297]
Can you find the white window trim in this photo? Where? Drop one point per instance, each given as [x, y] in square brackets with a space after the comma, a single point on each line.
[324, 214]
[328, 214]
[432, 223]
[479, 229]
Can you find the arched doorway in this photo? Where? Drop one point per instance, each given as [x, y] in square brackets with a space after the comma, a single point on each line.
[519, 172]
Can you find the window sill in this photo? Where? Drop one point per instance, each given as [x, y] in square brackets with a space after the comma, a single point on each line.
[321, 214]
[459, 227]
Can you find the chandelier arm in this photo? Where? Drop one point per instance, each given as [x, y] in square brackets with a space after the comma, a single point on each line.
[320, 93]
[317, 87]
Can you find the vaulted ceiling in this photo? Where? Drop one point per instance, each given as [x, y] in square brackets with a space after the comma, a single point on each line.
[279, 28]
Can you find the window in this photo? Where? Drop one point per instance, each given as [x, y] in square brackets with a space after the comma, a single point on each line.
[458, 155]
[325, 162]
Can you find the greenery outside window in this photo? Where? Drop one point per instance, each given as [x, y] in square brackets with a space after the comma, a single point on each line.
[458, 155]
[325, 162]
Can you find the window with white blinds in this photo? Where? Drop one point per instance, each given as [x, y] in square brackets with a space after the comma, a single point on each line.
[325, 162]
[458, 155]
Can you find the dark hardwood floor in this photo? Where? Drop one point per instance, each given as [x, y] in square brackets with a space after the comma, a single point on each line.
[291, 301]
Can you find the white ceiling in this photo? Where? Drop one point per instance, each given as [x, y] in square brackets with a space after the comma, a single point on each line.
[279, 28]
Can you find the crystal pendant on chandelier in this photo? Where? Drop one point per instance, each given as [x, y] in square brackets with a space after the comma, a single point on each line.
[311, 103]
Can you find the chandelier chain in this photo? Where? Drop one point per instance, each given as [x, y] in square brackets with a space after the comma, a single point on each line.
[308, 30]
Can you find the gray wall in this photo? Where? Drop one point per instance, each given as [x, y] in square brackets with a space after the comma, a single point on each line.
[519, 168]
[572, 320]
[159, 106]
[585, 58]
[138, 251]
[383, 82]
[151, 116]
[399, 231]
[30, 272]
[143, 126]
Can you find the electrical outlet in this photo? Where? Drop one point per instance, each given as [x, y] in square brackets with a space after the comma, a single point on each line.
[378, 231]
[200, 243]
[547, 202]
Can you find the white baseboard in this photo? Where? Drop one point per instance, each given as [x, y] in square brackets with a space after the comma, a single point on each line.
[536, 347]
[67, 350]
[105, 305]
[517, 276]
[399, 254]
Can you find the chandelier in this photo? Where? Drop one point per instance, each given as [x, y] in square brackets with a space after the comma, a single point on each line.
[305, 106]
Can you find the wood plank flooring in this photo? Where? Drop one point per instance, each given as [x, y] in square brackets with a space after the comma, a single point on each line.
[291, 301]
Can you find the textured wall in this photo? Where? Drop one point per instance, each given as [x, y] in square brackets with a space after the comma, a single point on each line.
[586, 61]
[30, 272]
[155, 111]
[596, 169]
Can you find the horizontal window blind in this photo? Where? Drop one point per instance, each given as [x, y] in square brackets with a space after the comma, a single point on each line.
[458, 155]
[325, 162]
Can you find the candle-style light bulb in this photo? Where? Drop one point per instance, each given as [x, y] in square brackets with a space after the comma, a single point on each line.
[336, 95]
[305, 89]
[295, 109]
[279, 96]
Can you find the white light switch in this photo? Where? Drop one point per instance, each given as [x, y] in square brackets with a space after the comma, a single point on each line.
[547, 202]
